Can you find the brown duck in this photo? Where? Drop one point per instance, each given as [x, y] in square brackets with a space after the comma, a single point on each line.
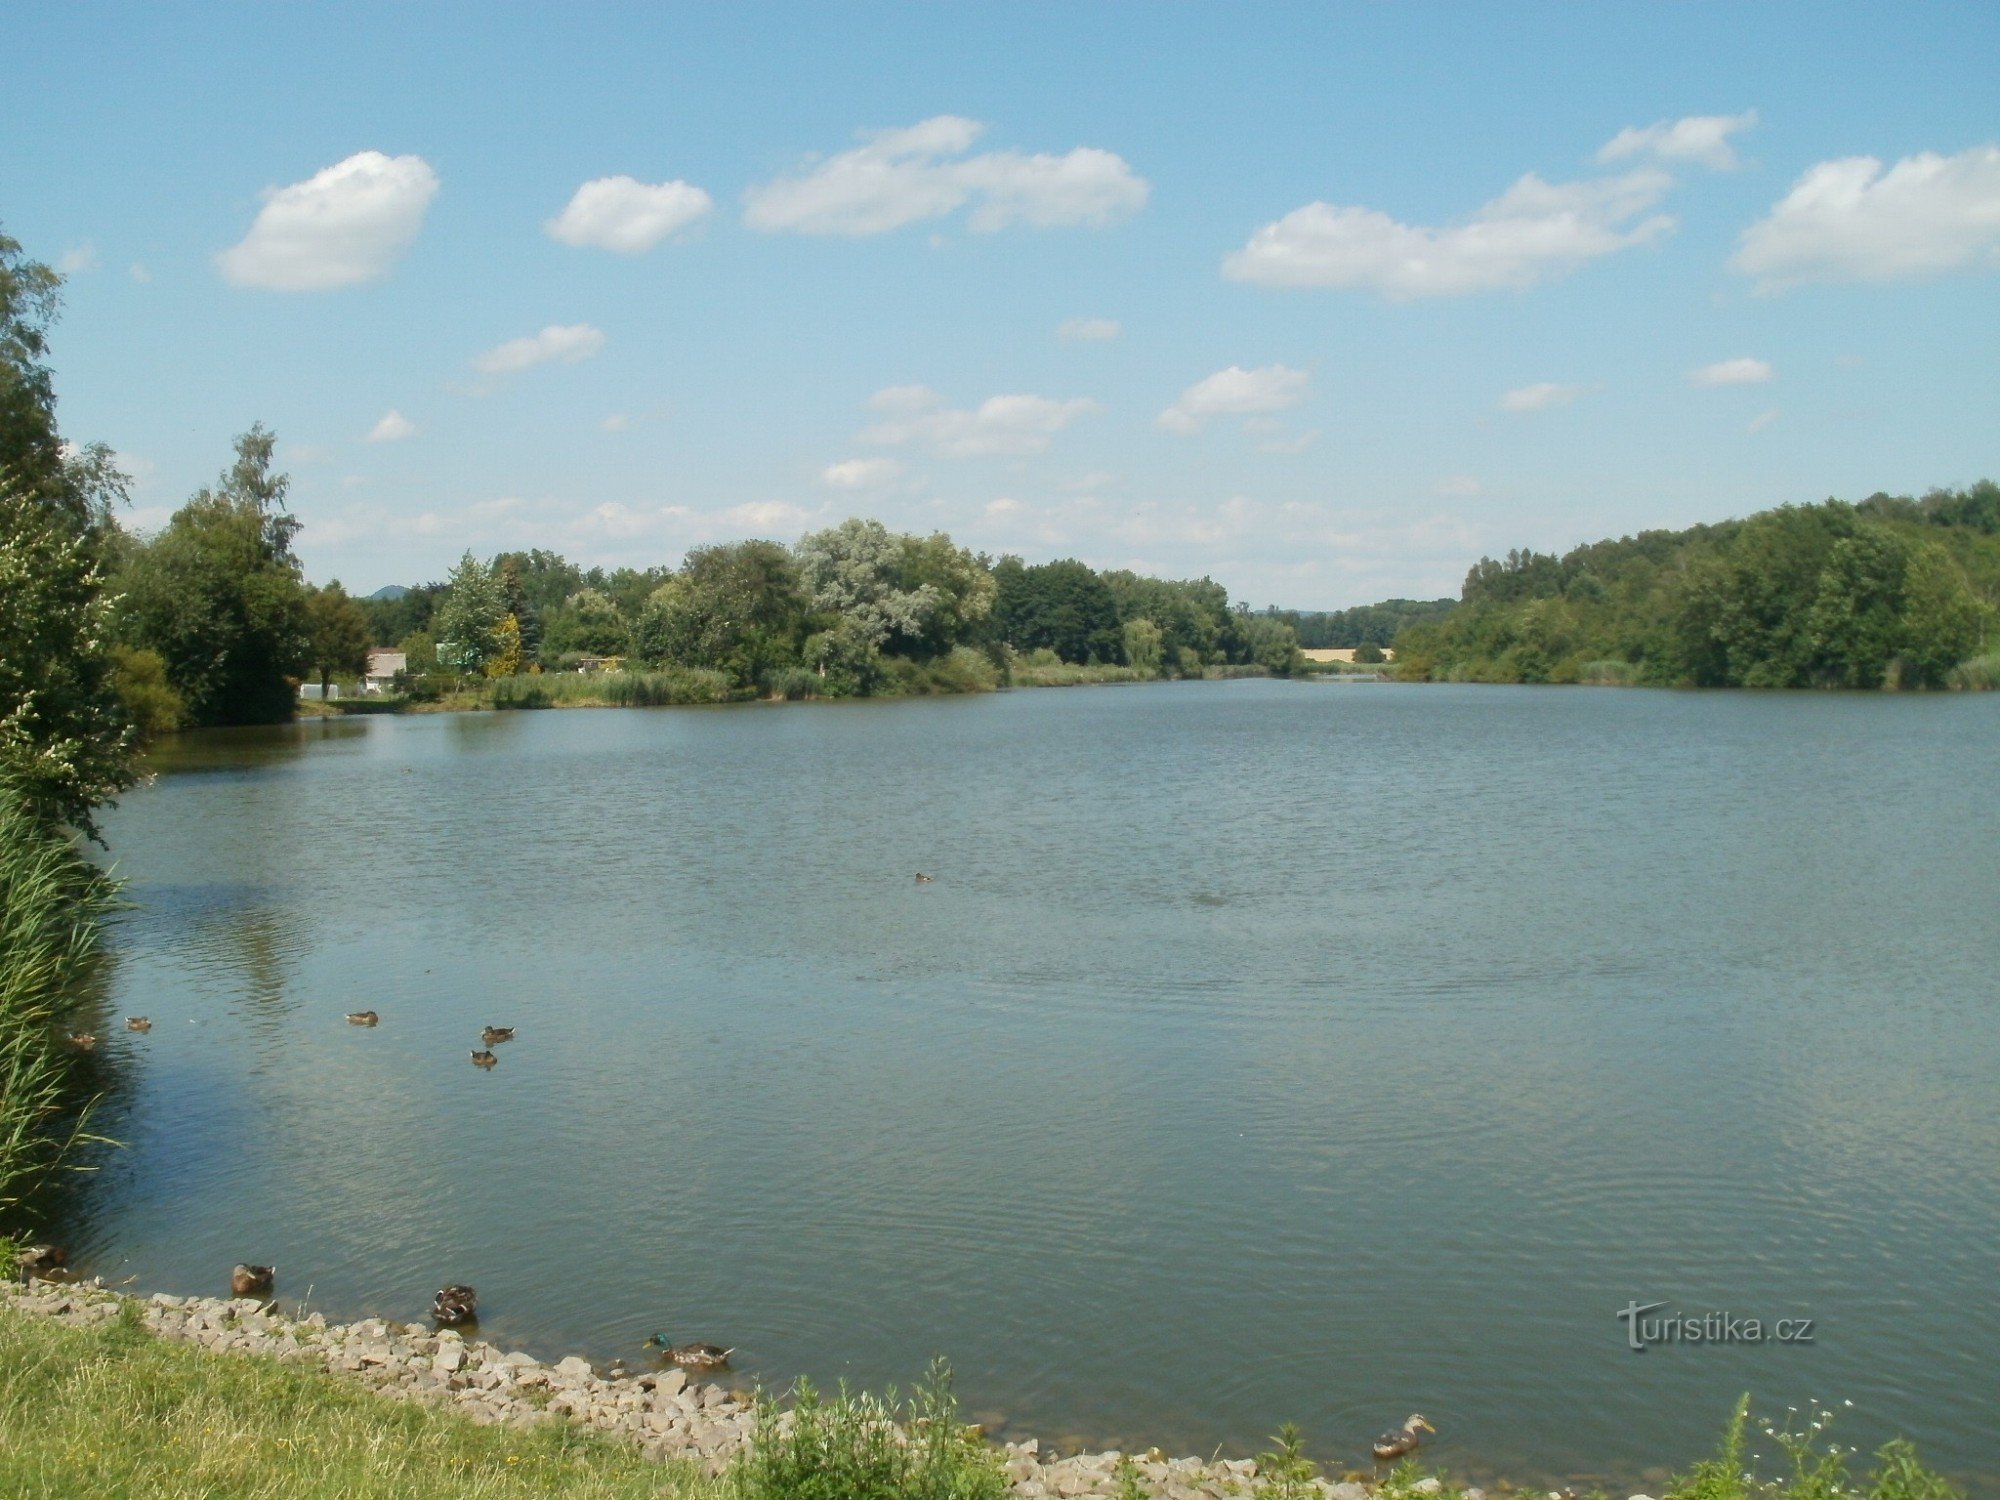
[454, 1305]
[252, 1281]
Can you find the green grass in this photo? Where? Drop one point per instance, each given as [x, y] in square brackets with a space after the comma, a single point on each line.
[110, 1411]
[854, 1447]
[1981, 674]
[670, 686]
[52, 905]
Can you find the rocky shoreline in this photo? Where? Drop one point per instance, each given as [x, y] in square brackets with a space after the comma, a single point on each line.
[667, 1414]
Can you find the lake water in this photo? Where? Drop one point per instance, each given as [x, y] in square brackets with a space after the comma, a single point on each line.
[1260, 1051]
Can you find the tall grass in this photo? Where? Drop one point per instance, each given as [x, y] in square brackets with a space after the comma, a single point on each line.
[52, 905]
[1980, 675]
[669, 686]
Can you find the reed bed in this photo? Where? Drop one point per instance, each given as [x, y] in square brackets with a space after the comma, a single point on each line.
[53, 903]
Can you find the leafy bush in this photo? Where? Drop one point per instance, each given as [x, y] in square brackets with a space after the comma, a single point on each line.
[863, 1447]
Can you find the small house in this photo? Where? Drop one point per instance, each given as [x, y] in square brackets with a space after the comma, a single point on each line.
[384, 667]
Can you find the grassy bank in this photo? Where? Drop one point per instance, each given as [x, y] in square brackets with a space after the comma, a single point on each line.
[52, 904]
[113, 1411]
[94, 1402]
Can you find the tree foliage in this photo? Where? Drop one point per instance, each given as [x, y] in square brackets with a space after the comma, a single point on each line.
[1890, 592]
[219, 595]
[337, 641]
[65, 739]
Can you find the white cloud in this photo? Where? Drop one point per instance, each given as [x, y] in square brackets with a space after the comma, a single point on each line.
[899, 177]
[393, 428]
[566, 343]
[341, 227]
[1697, 138]
[308, 453]
[140, 274]
[1089, 330]
[616, 422]
[1744, 371]
[861, 473]
[1457, 487]
[1236, 392]
[78, 258]
[622, 214]
[1535, 231]
[1762, 420]
[999, 424]
[1539, 397]
[1849, 220]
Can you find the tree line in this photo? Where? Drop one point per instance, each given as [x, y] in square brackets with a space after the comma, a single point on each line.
[1891, 591]
[848, 611]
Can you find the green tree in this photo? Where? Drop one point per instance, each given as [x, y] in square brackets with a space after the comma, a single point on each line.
[1060, 606]
[1143, 645]
[63, 733]
[588, 622]
[467, 621]
[737, 608]
[338, 634]
[514, 595]
[219, 596]
[911, 596]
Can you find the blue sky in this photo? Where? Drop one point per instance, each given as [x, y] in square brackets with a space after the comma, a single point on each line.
[1321, 301]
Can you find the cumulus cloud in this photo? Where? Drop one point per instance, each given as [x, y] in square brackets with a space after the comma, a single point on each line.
[1538, 397]
[1089, 330]
[1703, 139]
[564, 343]
[78, 258]
[861, 473]
[1744, 371]
[393, 428]
[898, 177]
[1849, 220]
[626, 215]
[1236, 392]
[618, 421]
[1535, 231]
[999, 424]
[344, 226]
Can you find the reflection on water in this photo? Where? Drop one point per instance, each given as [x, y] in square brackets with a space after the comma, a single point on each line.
[1260, 1052]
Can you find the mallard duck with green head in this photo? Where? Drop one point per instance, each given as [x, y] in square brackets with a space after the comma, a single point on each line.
[690, 1356]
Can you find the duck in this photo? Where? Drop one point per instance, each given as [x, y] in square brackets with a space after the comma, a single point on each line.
[483, 1059]
[494, 1034]
[454, 1305]
[1398, 1441]
[690, 1356]
[362, 1018]
[252, 1281]
[39, 1260]
[83, 1041]
[138, 1023]
[923, 879]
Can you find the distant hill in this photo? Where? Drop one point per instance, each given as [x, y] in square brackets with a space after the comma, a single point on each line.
[389, 591]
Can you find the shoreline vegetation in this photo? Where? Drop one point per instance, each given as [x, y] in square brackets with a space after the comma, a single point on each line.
[243, 1399]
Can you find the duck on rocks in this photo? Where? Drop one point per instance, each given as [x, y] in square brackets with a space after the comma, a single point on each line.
[493, 1034]
[362, 1018]
[690, 1356]
[39, 1260]
[252, 1281]
[483, 1059]
[454, 1305]
[1398, 1441]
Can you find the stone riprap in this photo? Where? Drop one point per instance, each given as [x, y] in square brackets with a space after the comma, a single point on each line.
[668, 1415]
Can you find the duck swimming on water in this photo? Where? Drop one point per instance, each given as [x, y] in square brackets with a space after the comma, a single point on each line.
[362, 1018]
[494, 1034]
[454, 1305]
[251, 1281]
[690, 1356]
[138, 1023]
[1398, 1441]
[483, 1059]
